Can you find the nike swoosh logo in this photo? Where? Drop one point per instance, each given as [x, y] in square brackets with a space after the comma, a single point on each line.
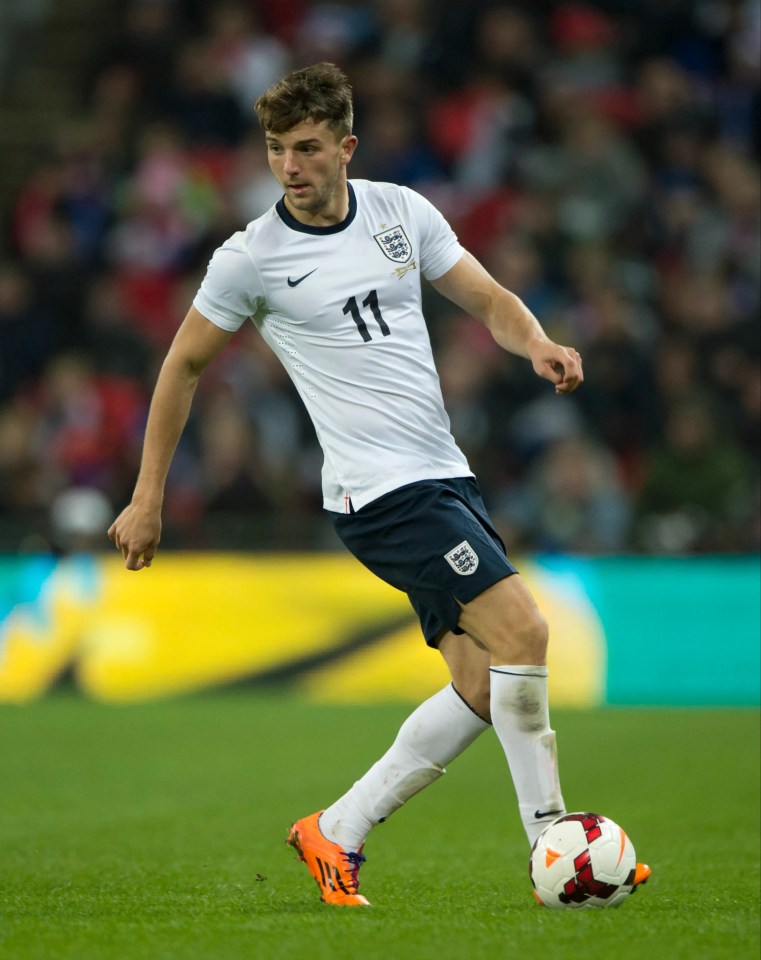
[541, 814]
[295, 283]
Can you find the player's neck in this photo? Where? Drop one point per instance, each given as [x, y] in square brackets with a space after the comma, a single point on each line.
[334, 211]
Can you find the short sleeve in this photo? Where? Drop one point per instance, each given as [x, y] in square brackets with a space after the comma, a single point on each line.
[228, 294]
[439, 247]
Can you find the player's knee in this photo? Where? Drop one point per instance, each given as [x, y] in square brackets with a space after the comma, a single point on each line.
[525, 642]
[534, 637]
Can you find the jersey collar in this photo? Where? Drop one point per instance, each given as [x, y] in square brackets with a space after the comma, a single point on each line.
[290, 221]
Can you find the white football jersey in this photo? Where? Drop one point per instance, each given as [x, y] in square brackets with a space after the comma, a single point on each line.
[341, 308]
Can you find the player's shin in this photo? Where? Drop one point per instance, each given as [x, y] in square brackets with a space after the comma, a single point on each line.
[430, 738]
[520, 714]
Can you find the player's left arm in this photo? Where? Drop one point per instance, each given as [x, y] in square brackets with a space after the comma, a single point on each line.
[511, 323]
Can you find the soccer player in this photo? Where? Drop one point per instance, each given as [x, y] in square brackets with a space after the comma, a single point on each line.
[330, 276]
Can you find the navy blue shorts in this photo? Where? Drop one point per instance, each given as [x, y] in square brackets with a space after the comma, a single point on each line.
[434, 541]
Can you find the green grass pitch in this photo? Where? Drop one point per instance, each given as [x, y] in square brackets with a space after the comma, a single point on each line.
[156, 831]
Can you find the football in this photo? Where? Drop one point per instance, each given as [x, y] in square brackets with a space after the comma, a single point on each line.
[582, 860]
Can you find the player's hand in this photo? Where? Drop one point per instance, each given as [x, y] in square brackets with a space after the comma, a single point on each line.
[136, 532]
[559, 365]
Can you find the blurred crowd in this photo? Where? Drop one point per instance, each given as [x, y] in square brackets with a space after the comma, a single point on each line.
[601, 158]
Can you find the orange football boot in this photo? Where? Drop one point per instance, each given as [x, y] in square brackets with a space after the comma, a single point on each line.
[334, 869]
[641, 875]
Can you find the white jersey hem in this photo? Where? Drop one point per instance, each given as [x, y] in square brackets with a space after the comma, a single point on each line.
[454, 471]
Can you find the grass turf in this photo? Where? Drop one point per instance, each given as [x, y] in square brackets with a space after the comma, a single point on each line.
[156, 831]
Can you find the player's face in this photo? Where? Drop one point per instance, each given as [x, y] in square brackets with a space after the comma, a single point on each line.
[309, 162]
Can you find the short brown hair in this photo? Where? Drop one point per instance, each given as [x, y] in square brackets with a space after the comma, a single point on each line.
[320, 92]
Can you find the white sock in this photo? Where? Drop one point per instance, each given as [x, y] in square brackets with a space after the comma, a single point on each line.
[430, 738]
[521, 718]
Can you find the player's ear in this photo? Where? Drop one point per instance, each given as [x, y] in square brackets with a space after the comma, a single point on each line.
[348, 146]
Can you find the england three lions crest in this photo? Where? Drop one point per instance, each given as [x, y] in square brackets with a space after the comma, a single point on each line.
[463, 559]
[395, 244]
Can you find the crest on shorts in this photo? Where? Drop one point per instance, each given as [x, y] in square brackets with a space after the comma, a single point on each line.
[463, 559]
[395, 244]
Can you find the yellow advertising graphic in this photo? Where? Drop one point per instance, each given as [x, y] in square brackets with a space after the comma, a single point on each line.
[318, 624]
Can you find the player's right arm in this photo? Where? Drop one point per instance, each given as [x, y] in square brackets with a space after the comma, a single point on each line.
[137, 529]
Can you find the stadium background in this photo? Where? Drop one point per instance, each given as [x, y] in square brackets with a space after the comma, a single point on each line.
[600, 158]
